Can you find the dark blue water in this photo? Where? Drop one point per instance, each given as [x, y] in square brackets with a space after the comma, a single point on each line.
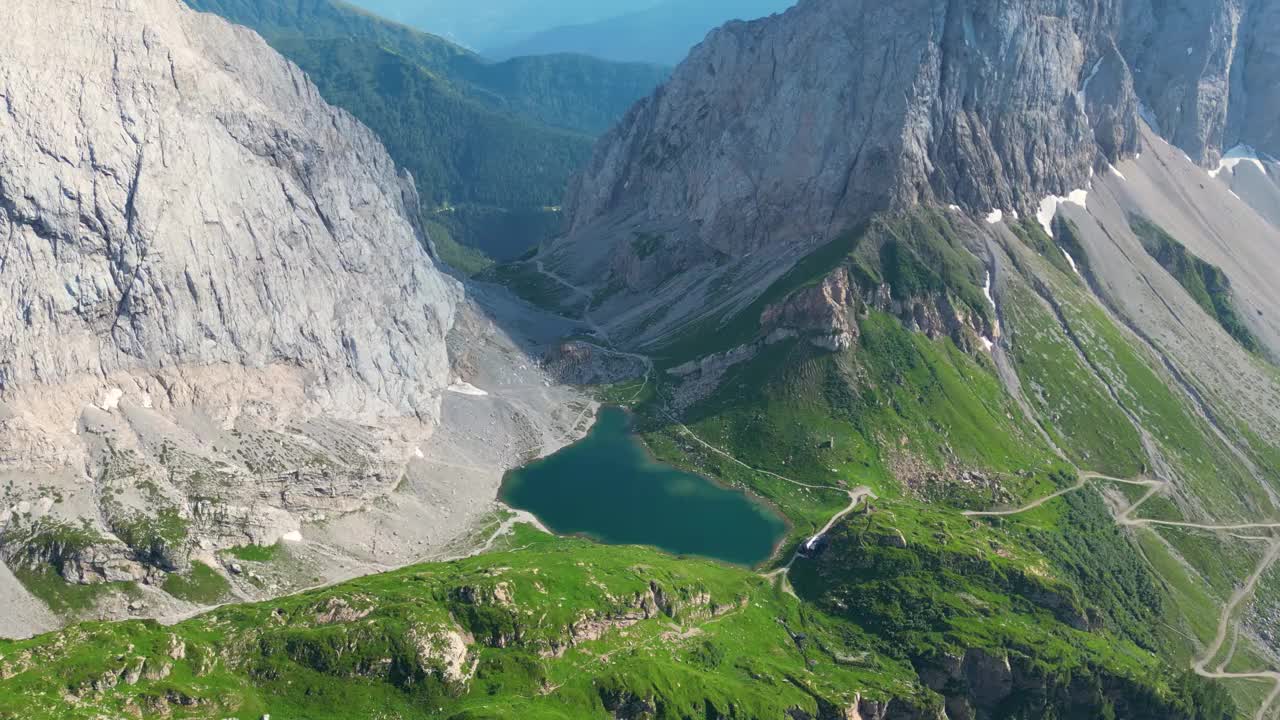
[607, 487]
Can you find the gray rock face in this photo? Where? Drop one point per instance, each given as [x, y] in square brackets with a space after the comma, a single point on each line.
[778, 135]
[793, 126]
[175, 194]
[1255, 93]
[217, 320]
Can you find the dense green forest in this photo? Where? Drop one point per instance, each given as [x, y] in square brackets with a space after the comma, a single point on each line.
[491, 145]
[458, 150]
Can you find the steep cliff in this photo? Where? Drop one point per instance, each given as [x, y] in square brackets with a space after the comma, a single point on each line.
[218, 320]
[777, 136]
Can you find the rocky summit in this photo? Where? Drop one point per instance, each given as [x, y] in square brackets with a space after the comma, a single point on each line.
[775, 136]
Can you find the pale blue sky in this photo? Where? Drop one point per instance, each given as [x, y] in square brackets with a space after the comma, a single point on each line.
[643, 30]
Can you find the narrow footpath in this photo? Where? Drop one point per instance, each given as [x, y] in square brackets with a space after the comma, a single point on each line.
[1201, 665]
[1125, 518]
[856, 495]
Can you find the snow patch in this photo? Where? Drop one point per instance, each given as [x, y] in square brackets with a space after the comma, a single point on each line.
[986, 343]
[1117, 173]
[293, 537]
[464, 388]
[995, 216]
[417, 452]
[1235, 156]
[1049, 207]
[1070, 261]
[146, 401]
[953, 208]
[995, 324]
[111, 400]
[1084, 88]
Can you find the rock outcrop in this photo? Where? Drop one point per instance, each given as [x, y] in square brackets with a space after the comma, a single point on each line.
[217, 319]
[827, 314]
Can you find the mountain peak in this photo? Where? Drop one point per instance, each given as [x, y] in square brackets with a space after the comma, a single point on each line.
[783, 133]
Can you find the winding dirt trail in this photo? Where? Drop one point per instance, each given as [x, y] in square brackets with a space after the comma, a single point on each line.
[586, 311]
[1201, 666]
[856, 495]
[1030, 506]
[1124, 517]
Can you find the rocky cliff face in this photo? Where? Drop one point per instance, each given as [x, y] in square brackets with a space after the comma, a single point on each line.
[217, 319]
[175, 195]
[827, 314]
[776, 136]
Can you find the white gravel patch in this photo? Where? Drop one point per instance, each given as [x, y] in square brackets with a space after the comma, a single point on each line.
[463, 388]
[111, 400]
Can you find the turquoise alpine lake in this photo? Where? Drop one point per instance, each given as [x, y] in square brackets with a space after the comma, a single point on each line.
[607, 487]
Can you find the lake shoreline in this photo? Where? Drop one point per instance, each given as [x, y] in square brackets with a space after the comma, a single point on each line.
[673, 509]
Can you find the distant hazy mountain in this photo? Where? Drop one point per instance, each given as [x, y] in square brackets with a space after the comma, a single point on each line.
[491, 145]
[498, 23]
[662, 33]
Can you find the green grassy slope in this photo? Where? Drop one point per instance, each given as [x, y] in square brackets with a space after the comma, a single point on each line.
[913, 254]
[938, 597]
[554, 629]
[1058, 611]
[561, 628]
[1095, 384]
[911, 416]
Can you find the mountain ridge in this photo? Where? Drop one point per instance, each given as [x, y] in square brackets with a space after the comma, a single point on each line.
[925, 277]
[663, 33]
[1005, 109]
[491, 145]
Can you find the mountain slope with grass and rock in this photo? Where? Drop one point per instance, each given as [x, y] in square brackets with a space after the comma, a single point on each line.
[975, 297]
[222, 328]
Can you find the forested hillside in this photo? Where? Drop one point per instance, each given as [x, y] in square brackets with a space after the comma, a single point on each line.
[490, 145]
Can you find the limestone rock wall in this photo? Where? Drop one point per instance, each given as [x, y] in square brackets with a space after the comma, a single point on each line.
[217, 319]
[175, 194]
